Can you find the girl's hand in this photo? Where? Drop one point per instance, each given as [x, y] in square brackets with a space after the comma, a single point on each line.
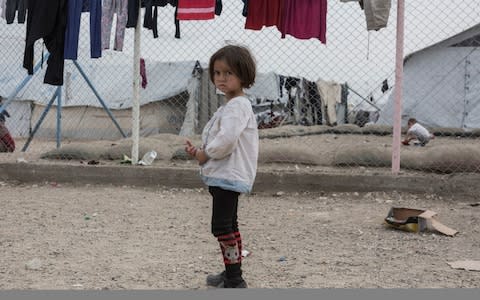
[190, 149]
[196, 153]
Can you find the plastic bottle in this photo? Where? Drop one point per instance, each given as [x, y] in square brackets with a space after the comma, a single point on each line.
[148, 158]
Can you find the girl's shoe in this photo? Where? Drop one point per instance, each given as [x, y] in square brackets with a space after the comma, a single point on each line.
[233, 284]
[216, 279]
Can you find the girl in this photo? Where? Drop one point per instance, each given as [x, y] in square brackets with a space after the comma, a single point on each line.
[228, 156]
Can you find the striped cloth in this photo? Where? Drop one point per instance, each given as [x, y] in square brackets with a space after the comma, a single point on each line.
[196, 9]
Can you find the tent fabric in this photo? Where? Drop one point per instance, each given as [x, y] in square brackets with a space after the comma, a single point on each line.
[441, 85]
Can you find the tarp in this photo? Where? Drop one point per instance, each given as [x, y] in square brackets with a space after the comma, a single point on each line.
[442, 84]
[112, 78]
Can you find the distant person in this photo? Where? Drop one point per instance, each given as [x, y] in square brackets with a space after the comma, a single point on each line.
[417, 132]
[7, 144]
[228, 156]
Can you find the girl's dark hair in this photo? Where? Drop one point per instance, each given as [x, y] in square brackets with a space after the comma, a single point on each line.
[239, 59]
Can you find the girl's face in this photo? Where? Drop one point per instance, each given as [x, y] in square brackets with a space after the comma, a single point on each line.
[225, 80]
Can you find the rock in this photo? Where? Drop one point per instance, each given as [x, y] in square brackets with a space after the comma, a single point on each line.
[34, 264]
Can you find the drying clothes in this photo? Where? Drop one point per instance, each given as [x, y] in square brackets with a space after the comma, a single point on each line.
[151, 14]
[315, 100]
[111, 7]
[143, 73]
[133, 8]
[150, 18]
[47, 20]
[245, 8]
[305, 19]
[75, 9]
[196, 9]
[132, 13]
[15, 6]
[264, 13]
[377, 13]
[218, 7]
[331, 94]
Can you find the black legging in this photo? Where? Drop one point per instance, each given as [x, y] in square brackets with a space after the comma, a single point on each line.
[224, 212]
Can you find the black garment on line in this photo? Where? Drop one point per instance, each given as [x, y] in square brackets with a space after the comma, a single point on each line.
[13, 6]
[151, 13]
[245, 8]
[132, 9]
[218, 7]
[47, 20]
[316, 101]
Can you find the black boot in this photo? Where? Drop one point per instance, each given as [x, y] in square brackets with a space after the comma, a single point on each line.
[216, 279]
[233, 277]
[236, 283]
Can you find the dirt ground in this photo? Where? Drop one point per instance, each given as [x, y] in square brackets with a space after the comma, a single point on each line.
[55, 236]
[104, 237]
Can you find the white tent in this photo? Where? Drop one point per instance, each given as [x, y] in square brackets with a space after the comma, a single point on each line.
[164, 109]
[442, 84]
[164, 96]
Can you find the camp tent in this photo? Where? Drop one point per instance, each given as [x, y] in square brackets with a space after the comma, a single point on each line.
[178, 98]
[442, 84]
[83, 116]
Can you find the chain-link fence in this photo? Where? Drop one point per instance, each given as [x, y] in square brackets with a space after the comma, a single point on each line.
[323, 96]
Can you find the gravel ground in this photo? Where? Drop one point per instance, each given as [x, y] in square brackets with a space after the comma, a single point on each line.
[71, 237]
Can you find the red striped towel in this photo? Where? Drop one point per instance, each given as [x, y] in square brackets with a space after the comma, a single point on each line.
[196, 9]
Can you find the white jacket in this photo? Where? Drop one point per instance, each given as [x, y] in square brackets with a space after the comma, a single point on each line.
[230, 139]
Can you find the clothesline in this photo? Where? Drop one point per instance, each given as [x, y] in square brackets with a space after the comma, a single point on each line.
[302, 19]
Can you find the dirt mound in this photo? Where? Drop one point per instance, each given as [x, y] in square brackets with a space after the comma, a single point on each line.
[164, 144]
[344, 145]
[441, 159]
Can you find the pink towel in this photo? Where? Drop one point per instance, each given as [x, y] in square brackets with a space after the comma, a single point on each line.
[196, 9]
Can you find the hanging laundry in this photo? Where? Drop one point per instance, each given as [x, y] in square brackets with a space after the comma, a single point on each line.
[47, 20]
[196, 9]
[151, 14]
[15, 6]
[75, 9]
[305, 19]
[143, 73]
[377, 13]
[245, 8]
[132, 10]
[109, 8]
[330, 94]
[313, 97]
[218, 7]
[264, 13]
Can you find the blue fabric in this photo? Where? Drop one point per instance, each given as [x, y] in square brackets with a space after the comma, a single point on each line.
[75, 8]
[230, 185]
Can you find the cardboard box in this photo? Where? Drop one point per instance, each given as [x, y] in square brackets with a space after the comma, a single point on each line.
[416, 220]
